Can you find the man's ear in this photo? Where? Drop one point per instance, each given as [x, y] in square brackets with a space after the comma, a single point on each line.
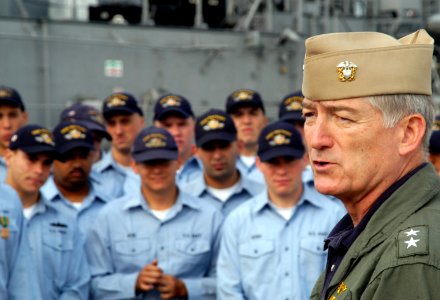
[412, 132]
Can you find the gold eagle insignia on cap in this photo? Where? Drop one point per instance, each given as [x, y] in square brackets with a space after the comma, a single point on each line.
[346, 71]
[170, 101]
[293, 103]
[43, 136]
[5, 93]
[278, 137]
[155, 140]
[213, 122]
[116, 100]
[243, 95]
[74, 132]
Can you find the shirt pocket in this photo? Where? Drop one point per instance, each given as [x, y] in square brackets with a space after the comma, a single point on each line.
[132, 253]
[193, 257]
[56, 257]
[312, 259]
[257, 257]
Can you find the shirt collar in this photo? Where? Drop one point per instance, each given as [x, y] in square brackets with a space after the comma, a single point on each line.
[108, 162]
[137, 200]
[308, 196]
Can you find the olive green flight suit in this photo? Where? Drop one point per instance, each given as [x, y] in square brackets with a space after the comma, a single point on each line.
[397, 256]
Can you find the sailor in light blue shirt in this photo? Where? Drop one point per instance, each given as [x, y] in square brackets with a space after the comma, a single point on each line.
[13, 115]
[56, 249]
[70, 188]
[157, 242]
[58, 253]
[17, 276]
[246, 107]
[221, 185]
[174, 113]
[273, 243]
[86, 213]
[124, 120]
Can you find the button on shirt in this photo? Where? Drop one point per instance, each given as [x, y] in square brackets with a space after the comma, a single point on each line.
[262, 254]
[245, 190]
[18, 279]
[129, 237]
[111, 175]
[58, 254]
[90, 207]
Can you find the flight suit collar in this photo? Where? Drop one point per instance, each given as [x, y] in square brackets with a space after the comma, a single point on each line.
[389, 215]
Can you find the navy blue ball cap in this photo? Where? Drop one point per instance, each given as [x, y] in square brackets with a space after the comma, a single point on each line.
[291, 107]
[280, 139]
[88, 115]
[214, 125]
[154, 143]
[11, 97]
[243, 98]
[172, 104]
[434, 142]
[33, 139]
[71, 135]
[120, 103]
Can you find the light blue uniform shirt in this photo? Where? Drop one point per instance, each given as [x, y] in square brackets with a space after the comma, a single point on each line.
[3, 169]
[88, 211]
[111, 175]
[265, 256]
[250, 172]
[58, 254]
[189, 171]
[245, 190]
[127, 237]
[18, 278]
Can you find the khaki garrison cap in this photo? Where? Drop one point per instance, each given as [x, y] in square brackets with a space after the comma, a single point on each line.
[359, 64]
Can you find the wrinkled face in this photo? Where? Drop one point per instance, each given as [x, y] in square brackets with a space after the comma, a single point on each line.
[11, 119]
[123, 129]
[27, 172]
[182, 131]
[219, 159]
[74, 171]
[350, 150]
[283, 175]
[157, 176]
[249, 122]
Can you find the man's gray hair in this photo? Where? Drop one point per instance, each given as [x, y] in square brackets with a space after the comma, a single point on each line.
[396, 107]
